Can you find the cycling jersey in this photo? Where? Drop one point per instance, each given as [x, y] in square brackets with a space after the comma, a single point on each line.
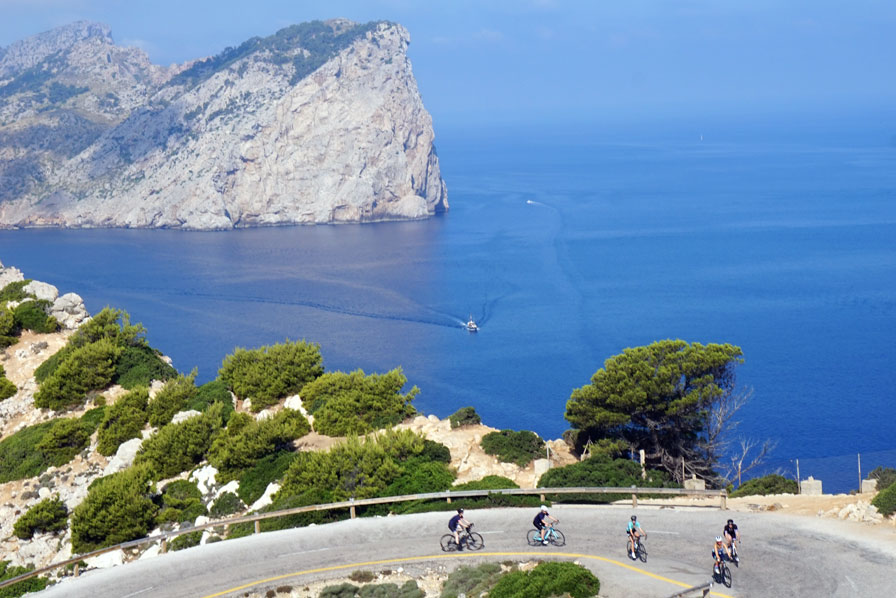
[730, 530]
[538, 522]
[452, 523]
[633, 525]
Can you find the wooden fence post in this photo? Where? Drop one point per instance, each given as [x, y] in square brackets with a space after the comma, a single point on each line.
[164, 547]
[257, 526]
[724, 495]
[634, 500]
[77, 569]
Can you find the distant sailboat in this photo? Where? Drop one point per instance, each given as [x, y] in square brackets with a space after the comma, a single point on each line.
[471, 325]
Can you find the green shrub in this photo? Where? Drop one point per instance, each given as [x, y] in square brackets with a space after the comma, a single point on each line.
[547, 579]
[390, 590]
[32, 584]
[489, 482]
[209, 394]
[87, 368]
[32, 315]
[117, 509]
[64, 439]
[93, 418]
[343, 590]
[602, 471]
[885, 501]
[19, 456]
[123, 421]
[50, 365]
[347, 404]
[187, 540]
[49, 515]
[179, 447]
[471, 581]
[255, 480]
[14, 291]
[226, 504]
[271, 373]
[435, 451]
[7, 340]
[245, 440]
[7, 388]
[465, 416]
[180, 494]
[8, 326]
[885, 476]
[139, 365]
[171, 398]
[769, 484]
[514, 447]
[419, 477]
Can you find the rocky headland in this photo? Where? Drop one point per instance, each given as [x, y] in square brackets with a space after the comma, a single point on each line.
[318, 123]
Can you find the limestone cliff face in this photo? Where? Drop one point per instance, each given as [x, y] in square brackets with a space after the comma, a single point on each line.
[319, 123]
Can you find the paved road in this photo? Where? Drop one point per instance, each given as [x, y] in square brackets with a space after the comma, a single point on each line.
[781, 555]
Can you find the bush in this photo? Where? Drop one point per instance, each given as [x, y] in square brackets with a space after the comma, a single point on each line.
[93, 418]
[770, 484]
[7, 388]
[123, 421]
[343, 590]
[471, 581]
[65, 439]
[347, 404]
[32, 315]
[32, 584]
[87, 368]
[117, 509]
[548, 579]
[210, 393]
[419, 477]
[14, 291]
[139, 365]
[49, 515]
[885, 501]
[514, 447]
[226, 504]
[172, 397]
[885, 476]
[19, 456]
[271, 373]
[489, 482]
[602, 471]
[255, 480]
[187, 540]
[390, 590]
[465, 416]
[245, 441]
[179, 447]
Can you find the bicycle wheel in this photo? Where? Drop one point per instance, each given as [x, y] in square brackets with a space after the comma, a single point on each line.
[628, 549]
[448, 543]
[474, 541]
[533, 537]
[556, 537]
[726, 576]
[642, 552]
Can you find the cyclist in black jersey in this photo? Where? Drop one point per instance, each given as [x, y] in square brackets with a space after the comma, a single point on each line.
[731, 535]
[456, 522]
[539, 523]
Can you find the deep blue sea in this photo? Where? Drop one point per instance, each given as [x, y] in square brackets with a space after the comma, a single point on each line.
[566, 246]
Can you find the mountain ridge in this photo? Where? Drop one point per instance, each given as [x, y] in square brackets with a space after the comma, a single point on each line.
[321, 122]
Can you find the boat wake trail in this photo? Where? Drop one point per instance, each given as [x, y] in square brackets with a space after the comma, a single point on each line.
[536, 203]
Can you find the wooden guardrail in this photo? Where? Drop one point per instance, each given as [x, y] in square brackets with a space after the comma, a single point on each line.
[351, 505]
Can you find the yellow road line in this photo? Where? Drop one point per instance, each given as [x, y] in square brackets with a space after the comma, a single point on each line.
[455, 556]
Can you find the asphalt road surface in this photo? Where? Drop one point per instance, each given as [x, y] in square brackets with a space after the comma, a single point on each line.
[781, 555]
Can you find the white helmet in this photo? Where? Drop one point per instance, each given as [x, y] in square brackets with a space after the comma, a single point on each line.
[718, 538]
[544, 508]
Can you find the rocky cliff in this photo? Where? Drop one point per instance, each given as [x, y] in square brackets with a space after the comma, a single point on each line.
[318, 123]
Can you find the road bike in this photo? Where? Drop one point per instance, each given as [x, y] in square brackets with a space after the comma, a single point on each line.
[640, 550]
[468, 539]
[734, 558]
[723, 575]
[551, 535]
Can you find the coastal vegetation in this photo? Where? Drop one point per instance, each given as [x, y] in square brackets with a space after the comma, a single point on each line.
[769, 484]
[511, 446]
[885, 501]
[49, 515]
[465, 416]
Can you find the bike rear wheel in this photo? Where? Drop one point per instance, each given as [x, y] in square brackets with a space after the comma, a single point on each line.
[474, 541]
[533, 537]
[556, 537]
[642, 553]
[448, 543]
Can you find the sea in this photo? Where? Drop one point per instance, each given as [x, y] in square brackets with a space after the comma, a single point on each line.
[566, 244]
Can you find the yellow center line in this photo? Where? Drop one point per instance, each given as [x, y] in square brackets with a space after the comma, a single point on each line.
[456, 556]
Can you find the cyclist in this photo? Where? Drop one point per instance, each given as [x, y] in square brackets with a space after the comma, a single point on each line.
[731, 535]
[719, 553]
[634, 532]
[539, 523]
[456, 522]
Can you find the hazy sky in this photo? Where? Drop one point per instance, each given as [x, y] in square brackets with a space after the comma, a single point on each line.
[553, 60]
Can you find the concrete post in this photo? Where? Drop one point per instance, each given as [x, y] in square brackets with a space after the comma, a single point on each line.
[257, 526]
[634, 501]
[164, 547]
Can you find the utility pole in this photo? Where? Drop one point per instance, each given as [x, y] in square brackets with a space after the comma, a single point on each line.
[859, 455]
[799, 483]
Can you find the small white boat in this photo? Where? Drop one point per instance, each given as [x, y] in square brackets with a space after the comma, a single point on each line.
[471, 325]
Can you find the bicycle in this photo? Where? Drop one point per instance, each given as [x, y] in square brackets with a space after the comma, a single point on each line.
[734, 558]
[471, 540]
[723, 576]
[551, 535]
[640, 550]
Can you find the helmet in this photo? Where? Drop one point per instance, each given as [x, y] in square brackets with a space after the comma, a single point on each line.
[730, 521]
[718, 538]
[460, 510]
[634, 517]
[544, 508]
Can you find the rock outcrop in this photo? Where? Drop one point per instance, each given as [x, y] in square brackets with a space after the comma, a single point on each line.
[319, 123]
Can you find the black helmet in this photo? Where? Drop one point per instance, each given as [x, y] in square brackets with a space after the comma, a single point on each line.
[634, 517]
[460, 510]
[730, 521]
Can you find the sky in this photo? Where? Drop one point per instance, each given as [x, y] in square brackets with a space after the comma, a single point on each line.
[554, 61]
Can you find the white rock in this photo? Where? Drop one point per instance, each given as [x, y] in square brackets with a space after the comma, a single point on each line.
[231, 486]
[184, 415]
[264, 414]
[44, 493]
[124, 456]
[204, 477]
[153, 551]
[201, 520]
[294, 402]
[41, 290]
[266, 498]
[108, 559]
